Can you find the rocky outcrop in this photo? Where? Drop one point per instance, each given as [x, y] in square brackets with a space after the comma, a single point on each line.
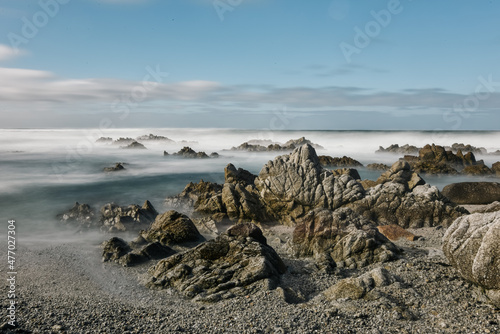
[358, 287]
[134, 146]
[396, 149]
[471, 245]
[130, 254]
[104, 140]
[170, 228]
[188, 152]
[478, 169]
[124, 141]
[346, 171]
[377, 166]
[349, 239]
[118, 167]
[473, 192]
[221, 268]
[327, 161]
[127, 218]
[80, 215]
[403, 198]
[255, 145]
[152, 137]
[466, 148]
[496, 168]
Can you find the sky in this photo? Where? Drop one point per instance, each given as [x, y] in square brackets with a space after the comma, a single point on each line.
[250, 64]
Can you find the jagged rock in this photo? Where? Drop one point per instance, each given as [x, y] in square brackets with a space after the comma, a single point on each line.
[249, 147]
[396, 232]
[402, 197]
[172, 227]
[357, 288]
[134, 145]
[104, 140]
[467, 148]
[377, 166]
[291, 185]
[247, 230]
[117, 250]
[204, 198]
[240, 175]
[300, 142]
[258, 145]
[81, 215]
[395, 148]
[220, 268]
[133, 217]
[471, 245]
[328, 161]
[348, 238]
[473, 192]
[187, 152]
[152, 137]
[124, 141]
[347, 171]
[214, 155]
[496, 168]
[117, 167]
[477, 169]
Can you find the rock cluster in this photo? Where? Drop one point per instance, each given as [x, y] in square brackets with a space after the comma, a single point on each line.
[235, 263]
[152, 137]
[471, 245]
[395, 148]
[188, 152]
[80, 215]
[288, 146]
[327, 161]
[126, 218]
[130, 254]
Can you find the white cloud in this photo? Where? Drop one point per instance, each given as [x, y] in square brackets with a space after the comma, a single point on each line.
[7, 53]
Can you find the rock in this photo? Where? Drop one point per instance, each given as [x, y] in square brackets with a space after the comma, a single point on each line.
[396, 232]
[117, 167]
[124, 141]
[471, 245]
[214, 155]
[478, 169]
[117, 250]
[205, 198]
[133, 217]
[187, 152]
[300, 142]
[258, 145]
[496, 168]
[467, 148]
[401, 172]
[358, 287]
[104, 140]
[493, 207]
[473, 192]
[240, 175]
[294, 184]
[377, 166]
[152, 137]
[367, 184]
[220, 268]
[247, 230]
[80, 215]
[328, 161]
[134, 146]
[347, 171]
[348, 238]
[395, 148]
[170, 228]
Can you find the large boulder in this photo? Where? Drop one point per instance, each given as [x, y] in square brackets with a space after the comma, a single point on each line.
[471, 245]
[473, 192]
[126, 218]
[220, 268]
[292, 185]
[129, 254]
[349, 239]
[170, 228]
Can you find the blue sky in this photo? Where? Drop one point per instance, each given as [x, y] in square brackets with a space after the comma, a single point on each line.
[332, 64]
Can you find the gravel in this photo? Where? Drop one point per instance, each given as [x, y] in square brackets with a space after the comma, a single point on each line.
[65, 288]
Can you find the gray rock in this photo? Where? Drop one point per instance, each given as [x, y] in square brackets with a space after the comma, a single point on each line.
[170, 228]
[80, 215]
[130, 218]
[471, 245]
[473, 192]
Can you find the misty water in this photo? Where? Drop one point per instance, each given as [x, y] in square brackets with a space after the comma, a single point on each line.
[44, 172]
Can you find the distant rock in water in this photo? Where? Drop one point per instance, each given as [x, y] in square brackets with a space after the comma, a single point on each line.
[104, 140]
[434, 159]
[152, 137]
[227, 266]
[473, 192]
[396, 149]
[471, 245]
[123, 141]
[134, 146]
[115, 218]
[188, 152]
[117, 167]
[327, 161]
[496, 168]
[80, 215]
[255, 145]
[466, 148]
[378, 167]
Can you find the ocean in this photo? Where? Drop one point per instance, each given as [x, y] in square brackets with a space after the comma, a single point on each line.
[45, 171]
